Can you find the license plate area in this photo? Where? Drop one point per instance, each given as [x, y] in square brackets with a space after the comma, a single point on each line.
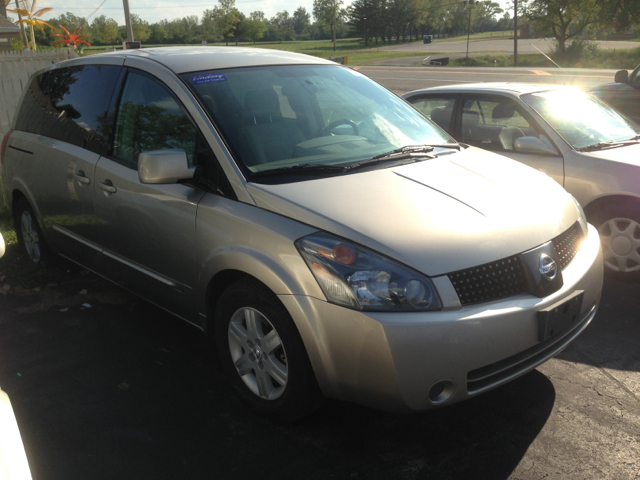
[560, 316]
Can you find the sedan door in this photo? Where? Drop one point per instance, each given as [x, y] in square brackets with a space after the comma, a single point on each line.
[494, 123]
[148, 230]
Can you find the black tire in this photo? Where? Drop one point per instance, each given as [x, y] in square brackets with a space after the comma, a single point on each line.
[278, 382]
[29, 233]
[619, 229]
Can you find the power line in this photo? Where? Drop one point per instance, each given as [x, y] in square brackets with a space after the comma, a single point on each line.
[86, 19]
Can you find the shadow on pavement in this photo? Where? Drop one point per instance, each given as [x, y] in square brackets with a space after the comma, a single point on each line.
[611, 340]
[122, 390]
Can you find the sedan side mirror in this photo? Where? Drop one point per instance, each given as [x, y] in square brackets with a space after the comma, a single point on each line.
[622, 76]
[533, 145]
[164, 166]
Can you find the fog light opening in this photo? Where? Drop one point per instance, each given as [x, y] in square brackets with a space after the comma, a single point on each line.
[441, 391]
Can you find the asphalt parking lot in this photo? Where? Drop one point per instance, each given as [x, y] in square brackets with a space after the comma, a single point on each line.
[106, 386]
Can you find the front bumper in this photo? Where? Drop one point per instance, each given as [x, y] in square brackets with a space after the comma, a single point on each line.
[391, 361]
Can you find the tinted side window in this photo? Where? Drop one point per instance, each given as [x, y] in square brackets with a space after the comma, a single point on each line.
[150, 118]
[71, 104]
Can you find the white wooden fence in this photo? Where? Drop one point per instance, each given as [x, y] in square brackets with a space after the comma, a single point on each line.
[15, 70]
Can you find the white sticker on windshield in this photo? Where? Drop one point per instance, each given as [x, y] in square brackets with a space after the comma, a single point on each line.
[211, 77]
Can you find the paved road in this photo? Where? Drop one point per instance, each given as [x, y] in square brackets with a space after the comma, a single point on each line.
[123, 390]
[490, 45]
[405, 79]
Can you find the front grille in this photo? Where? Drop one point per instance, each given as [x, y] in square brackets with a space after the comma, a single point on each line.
[507, 277]
[567, 244]
[489, 281]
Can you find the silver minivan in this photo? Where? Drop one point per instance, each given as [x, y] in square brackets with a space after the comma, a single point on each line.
[331, 240]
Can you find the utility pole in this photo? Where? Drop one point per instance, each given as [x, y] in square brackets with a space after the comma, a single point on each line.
[334, 25]
[515, 33]
[127, 19]
[24, 33]
[469, 26]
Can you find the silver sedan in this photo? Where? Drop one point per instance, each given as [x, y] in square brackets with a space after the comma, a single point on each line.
[584, 144]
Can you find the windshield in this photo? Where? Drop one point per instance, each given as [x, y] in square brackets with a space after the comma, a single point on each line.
[280, 117]
[580, 118]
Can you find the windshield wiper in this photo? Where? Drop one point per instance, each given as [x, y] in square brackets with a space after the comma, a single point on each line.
[603, 145]
[416, 149]
[412, 153]
[304, 169]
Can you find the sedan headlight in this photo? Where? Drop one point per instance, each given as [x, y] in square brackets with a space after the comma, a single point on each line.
[355, 277]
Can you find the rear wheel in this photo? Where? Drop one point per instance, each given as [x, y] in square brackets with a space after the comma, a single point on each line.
[262, 353]
[28, 232]
[619, 230]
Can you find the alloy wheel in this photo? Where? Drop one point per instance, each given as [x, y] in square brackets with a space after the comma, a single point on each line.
[30, 236]
[620, 239]
[258, 353]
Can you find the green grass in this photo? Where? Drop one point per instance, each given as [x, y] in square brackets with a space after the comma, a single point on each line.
[610, 58]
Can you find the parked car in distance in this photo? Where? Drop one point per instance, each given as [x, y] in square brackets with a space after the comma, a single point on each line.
[623, 94]
[582, 143]
[331, 240]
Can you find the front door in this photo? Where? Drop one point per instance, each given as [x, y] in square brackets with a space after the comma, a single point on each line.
[148, 231]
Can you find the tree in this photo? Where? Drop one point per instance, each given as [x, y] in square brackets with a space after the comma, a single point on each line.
[104, 30]
[226, 16]
[300, 21]
[566, 18]
[485, 12]
[31, 19]
[141, 29]
[621, 13]
[254, 28]
[326, 13]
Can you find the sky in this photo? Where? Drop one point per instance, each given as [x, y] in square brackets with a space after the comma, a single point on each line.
[155, 10]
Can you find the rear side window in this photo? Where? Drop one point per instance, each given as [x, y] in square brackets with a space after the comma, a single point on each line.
[71, 105]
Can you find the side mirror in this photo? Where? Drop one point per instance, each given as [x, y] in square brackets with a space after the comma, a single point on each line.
[622, 76]
[164, 166]
[533, 145]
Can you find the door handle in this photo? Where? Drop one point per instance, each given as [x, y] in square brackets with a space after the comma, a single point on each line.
[81, 177]
[107, 186]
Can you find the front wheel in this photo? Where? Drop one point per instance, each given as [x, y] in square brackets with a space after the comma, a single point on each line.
[262, 353]
[619, 230]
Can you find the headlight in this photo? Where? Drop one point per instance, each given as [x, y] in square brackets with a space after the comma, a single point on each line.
[582, 218]
[355, 277]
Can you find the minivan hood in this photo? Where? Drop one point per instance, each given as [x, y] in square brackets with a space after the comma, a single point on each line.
[436, 216]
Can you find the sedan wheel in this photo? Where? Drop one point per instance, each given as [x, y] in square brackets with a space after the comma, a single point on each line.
[621, 244]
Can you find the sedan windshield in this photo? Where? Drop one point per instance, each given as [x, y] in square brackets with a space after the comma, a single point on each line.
[585, 122]
[279, 117]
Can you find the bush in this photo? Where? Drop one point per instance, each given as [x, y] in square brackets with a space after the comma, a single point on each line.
[579, 51]
[17, 45]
